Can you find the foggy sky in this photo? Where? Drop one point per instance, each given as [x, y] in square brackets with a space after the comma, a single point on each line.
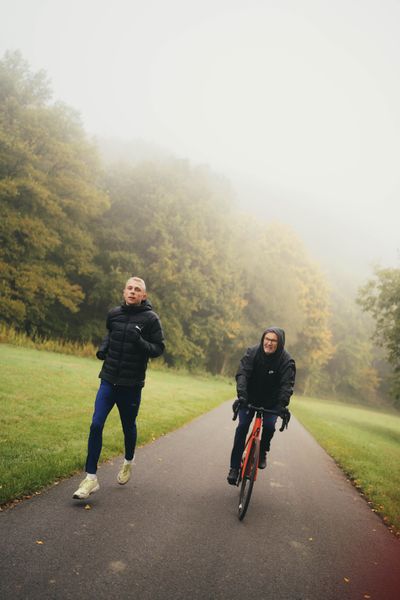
[296, 102]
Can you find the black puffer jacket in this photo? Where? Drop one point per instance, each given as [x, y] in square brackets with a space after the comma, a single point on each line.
[134, 335]
[267, 379]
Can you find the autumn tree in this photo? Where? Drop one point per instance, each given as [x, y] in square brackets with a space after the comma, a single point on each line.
[171, 222]
[284, 287]
[49, 193]
[380, 297]
[351, 370]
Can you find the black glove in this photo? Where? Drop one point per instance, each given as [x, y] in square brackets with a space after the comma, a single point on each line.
[134, 334]
[238, 404]
[285, 416]
[101, 355]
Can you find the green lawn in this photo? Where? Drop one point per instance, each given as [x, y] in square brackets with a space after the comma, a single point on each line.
[46, 404]
[365, 443]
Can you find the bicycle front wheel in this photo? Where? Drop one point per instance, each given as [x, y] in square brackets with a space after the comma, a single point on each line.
[246, 487]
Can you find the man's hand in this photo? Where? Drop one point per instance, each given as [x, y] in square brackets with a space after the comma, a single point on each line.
[285, 416]
[237, 405]
[135, 333]
[101, 355]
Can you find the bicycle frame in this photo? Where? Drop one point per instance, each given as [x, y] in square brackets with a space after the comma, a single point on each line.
[254, 435]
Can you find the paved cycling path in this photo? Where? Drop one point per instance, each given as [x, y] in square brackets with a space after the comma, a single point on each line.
[172, 533]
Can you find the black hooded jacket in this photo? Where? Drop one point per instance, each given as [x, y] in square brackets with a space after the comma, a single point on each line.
[266, 380]
[134, 335]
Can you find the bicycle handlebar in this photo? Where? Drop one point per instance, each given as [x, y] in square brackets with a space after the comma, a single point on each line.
[285, 416]
[264, 410]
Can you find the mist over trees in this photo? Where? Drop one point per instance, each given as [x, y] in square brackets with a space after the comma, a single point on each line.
[73, 229]
[380, 297]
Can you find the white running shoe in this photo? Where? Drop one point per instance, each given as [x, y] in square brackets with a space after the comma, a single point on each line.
[124, 474]
[86, 487]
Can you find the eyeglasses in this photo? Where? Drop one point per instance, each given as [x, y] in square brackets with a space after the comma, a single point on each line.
[270, 341]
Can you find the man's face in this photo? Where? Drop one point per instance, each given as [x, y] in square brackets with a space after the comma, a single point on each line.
[134, 292]
[270, 342]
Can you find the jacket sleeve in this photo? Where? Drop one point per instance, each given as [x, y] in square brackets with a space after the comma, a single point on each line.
[153, 344]
[288, 375]
[244, 372]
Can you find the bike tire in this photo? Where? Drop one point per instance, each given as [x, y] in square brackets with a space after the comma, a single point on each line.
[247, 484]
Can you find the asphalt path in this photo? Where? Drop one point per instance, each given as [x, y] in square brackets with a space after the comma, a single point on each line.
[173, 533]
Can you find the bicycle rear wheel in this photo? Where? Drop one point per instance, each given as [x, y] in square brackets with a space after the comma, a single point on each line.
[246, 487]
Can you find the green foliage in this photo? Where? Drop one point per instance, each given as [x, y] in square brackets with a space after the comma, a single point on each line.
[284, 287]
[314, 337]
[9, 335]
[171, 222]
[49, 191]
[353, 368]
[381, 298]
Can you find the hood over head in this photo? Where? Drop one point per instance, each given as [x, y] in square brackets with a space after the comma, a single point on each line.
[272, 360]
[281, 340]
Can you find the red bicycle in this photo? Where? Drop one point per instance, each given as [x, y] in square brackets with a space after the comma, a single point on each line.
[251, 455]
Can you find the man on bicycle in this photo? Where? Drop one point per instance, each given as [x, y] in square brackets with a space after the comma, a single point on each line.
[134, 334]
[265, 378]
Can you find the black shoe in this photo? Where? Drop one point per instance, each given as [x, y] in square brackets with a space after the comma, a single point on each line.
[262, 461]
[233, 476]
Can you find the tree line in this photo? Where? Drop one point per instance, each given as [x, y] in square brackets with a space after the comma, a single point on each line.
[73, 229]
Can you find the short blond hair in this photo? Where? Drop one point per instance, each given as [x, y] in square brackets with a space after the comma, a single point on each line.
[139, 279]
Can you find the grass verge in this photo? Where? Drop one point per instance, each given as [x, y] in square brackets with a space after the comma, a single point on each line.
[46, 404]
[365, 443]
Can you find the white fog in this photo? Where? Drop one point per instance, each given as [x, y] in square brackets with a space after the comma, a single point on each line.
[297, 104]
